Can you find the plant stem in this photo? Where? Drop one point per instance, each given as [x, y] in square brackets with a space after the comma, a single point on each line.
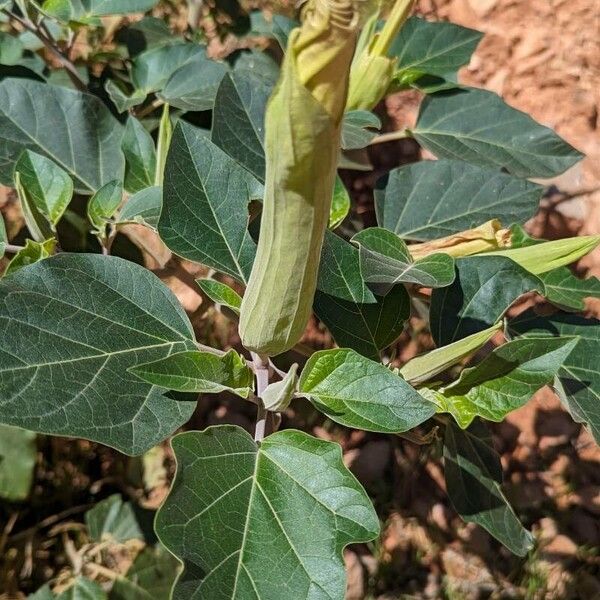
[261, 370]
[390, 137]
[12, 249]
[50, 44]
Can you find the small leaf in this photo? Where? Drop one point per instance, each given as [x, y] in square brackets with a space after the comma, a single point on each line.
[18, 452]
[357, 129]
[424, 367]
[244, 504]
[3, 237]
[385, 259]
[113, 519]
[120, 99]
[46, 185]
[277, 396]
[205, 205]
[358, 392]
[199, 372]
[505, 379]
[239, 120]
[433, 48]
[194, 85]
[578, 381]
[432, 199]
[340, 204]
[140, 156]
[73, 129]
[484, 288]
[473, 478]
[143, 207]
[150, 577]
[31, 253]
[367, 328]
[220, 293]
[567, 291]
[73, 325]
[481, 128]
[11, 48]
[83, 589]
[103, 205]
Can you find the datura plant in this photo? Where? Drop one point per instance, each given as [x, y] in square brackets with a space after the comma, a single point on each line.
[94, 345]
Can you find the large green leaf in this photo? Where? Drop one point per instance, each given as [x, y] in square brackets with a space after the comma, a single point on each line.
[479, 127]
[17, 462]
[578, 381]
[205, 204]
[262, 522]
[46, 185]
[432, 48]
[366, 328]
[114, 520]
[140, 156]
[201, 372]
[150, 577]
[482, 291]
[473, 478]
[75, 130]
[362, 393]
[239, 117]
[70, 327]
[505, 379]
[432, 199]
[385, 259]
[194, 85]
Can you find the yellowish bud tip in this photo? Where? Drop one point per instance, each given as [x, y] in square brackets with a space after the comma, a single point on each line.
[486, 237]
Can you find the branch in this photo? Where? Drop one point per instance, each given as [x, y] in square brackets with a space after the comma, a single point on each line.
[261, 370]
[50, 44]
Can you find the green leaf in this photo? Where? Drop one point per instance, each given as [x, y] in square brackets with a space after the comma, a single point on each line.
[31, 253]
[104, 204]
[433, 48]
[424, 367]
[153, 68]
[46, 185]
[120, 99]
[113, 519]
[200, 372]
[150, 577]
[340, 204]
[239, 535]
[356, 129]
[37, 224]
[11, 49]
[239, 120]
[82, 10]
[143, 207]
[433, 199]
[278, 395]
[279, 27]
[479, 127]
[73, 129]
[567, 291]
[194, 85]
[220, 293]
[505, 379]
[578, 381]
[339, 271]
[361, 393]
[484, 288]
[385, 259]
[205, 205]
[18, 453]
[473, 478]
[70, 327]
[140, 156]
[366, 328]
